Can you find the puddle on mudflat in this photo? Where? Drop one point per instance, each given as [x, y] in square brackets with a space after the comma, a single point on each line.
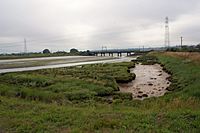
[151, 81]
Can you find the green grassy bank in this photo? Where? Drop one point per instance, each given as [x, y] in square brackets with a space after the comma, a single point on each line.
[76, 100]
[63, 84]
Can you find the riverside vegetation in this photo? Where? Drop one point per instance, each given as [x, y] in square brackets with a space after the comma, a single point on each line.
[87, 99]
[63, 84]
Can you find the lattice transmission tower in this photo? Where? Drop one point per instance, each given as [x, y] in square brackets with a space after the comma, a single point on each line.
[167, 36]
[25, 46]
[104, 48]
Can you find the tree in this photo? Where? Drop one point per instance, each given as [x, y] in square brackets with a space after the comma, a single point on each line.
[46, 51]
[73, 50]
[198, 46]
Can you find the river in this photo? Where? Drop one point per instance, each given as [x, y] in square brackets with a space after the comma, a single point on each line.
[30, 64]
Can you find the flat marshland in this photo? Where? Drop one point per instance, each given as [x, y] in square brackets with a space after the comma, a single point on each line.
[87, 99]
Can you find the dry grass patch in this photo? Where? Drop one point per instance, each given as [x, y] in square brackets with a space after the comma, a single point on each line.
[194, 56]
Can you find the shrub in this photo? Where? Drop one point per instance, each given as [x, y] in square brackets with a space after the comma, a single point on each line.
[79, 95]
[122, 95]
[146, 60]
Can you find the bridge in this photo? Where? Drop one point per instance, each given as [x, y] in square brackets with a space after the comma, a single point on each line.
[119, 52]
[110, 52]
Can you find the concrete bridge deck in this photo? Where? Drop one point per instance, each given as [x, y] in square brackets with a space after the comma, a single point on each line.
[112, 52]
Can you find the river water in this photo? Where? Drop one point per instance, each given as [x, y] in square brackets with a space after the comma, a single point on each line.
[57, 62]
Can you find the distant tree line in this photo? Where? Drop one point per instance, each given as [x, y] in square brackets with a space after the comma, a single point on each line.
[72, 52]
[185, 48]
[46, 53]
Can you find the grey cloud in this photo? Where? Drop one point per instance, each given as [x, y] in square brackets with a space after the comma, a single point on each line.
[88, 24]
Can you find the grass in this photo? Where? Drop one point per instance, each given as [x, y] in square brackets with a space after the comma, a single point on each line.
[29, 116]
[178, 111]
[186, 75]
[59, 85]
[194, 56]
[146, 60]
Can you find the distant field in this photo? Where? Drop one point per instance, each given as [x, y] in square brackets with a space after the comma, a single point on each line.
[194, 56]
[77, 99]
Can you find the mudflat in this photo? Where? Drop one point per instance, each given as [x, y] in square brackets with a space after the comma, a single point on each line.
[151, 81]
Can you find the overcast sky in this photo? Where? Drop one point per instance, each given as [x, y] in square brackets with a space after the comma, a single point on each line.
[89, 24]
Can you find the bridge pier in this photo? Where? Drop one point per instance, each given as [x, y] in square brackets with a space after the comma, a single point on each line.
[128, 53]
[110, 54]
[103, 54]
[119, 54]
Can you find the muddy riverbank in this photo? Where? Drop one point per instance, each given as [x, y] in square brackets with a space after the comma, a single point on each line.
[151, 81]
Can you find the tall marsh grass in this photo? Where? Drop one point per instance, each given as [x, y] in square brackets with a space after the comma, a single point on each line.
[194, 56]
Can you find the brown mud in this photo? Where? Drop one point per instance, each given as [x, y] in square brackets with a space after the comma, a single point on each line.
[151, 81]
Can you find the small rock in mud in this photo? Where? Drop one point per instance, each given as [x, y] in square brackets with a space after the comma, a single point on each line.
[169, 89]
[169, 78]
[140, 92]
[150, 84]
[139, 96]
[144, 95]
